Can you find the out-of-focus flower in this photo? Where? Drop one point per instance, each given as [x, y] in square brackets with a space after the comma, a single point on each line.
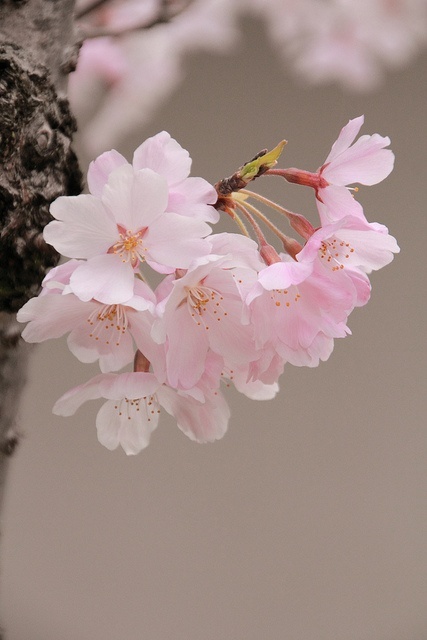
[135, 72]
[352, 43]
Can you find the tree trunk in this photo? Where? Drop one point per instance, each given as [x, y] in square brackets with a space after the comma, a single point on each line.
[38, 48]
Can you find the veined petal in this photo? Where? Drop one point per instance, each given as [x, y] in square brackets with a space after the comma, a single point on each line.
[114, 350]
[123, 422]
[100, 169]
[366, 162]
[83, 227]
[336, 203]
[165, 156]
[200, 421]
[68, 403]
[106, 278]
[175, 241]
[345, 138]
[52, 315]
[186, 351]
[135, 198]
[281, 275]
[194, 198]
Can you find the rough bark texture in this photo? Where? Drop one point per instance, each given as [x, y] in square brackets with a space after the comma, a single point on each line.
[38, 48]
[36, 166]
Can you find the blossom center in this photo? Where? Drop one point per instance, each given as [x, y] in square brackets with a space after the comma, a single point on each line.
[335, 252]
[130, 247]
[108, 324]
[146, 408]
[205, 304]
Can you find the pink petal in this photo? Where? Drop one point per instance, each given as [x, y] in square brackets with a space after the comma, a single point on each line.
[366, 162]
[128, 385]
[281, 275]
[113, 353]
[83, 229]
[345, 138]
[175, 241]
[74, 398]
[373, 250]
[186, 351]
[106, 278]
[201, 422]
[194, 197]
[100, 169]
[131, 429]
[163, 154]
[336, 203]
[51, 316]
[135, 198]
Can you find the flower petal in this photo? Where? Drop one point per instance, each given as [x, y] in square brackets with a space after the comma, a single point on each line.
[100, 169]
[345, 138]
[135, 198]
[83, 227]
[163, 154]
[105, 278]
[200, 421]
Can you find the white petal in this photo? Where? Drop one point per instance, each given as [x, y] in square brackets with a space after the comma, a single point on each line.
[83, 227]
[201, 422]
[163, 154]
[135, 198]
[100, 169]
[105, 278]
[74, 398]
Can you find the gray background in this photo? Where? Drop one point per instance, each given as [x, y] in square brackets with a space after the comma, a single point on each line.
[308, 520]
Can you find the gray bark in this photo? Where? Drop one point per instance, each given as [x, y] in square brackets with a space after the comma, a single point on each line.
[38, 48]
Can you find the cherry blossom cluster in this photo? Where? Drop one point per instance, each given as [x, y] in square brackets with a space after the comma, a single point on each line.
[126, 70]
[229, 310]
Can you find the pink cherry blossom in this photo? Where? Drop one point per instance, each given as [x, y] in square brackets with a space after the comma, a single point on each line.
[188, 196]
[351, 244]
[126, 225]
[97, 331]
[134, 402]
[203, 312]
[297, 313]
[367, 161]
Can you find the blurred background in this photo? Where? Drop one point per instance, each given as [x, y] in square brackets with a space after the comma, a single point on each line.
[308, 521]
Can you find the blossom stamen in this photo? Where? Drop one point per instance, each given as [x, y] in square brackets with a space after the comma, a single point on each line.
[198, 299]
[130, 247]
[276, 297]
[108, 324]
[334, 252]
[128, 407]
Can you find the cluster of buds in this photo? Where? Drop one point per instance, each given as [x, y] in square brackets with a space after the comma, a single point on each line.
[229, 308]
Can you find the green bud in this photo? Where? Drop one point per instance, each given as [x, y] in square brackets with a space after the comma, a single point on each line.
[261, 163]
